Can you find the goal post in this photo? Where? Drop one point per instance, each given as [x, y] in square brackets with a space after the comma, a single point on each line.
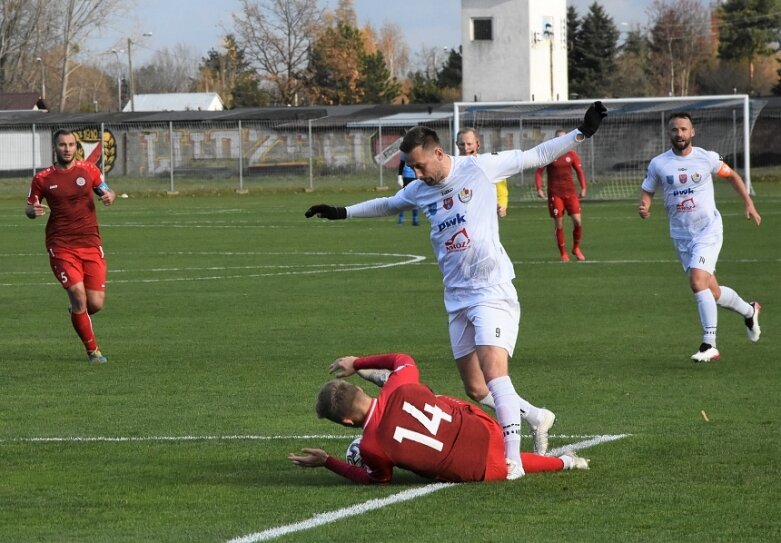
[616, 157]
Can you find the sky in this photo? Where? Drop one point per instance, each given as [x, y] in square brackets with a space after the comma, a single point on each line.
[200, 24]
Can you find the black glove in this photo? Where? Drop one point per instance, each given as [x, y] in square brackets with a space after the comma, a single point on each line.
[326, 212]
[593, 118]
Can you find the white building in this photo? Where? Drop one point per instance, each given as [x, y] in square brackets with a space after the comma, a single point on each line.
[176, 101]
[514, 50]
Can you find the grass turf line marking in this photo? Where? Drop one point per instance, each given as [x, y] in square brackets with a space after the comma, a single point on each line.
[322, 519]
[237, 437]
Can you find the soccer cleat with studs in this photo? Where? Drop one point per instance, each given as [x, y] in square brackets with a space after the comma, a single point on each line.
[752, 323]
[540, 431]
[706, 353]
[514, 470]
[578, 254]
[573, 461]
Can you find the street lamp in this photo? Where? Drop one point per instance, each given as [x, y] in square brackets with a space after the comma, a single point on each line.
[119, 80]
[130, 71]
[43, 78]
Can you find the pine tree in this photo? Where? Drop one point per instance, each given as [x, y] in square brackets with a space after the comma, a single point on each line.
[596, 45]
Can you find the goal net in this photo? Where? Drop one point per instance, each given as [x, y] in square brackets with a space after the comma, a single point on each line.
[616, 157]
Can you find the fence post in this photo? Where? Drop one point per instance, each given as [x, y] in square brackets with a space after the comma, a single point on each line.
[311, 187]
[241, 165]
[380, 148]
[102, 150]
[171, 188]
[35, 158]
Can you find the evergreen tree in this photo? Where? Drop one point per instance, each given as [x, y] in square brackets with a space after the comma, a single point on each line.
[423, 89]
[335, 65]
[747, 29]
[451, 74]
[230, 75]
[376, 84]
[575, 70]
[596, 45]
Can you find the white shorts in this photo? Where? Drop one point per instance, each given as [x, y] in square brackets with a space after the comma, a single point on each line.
[702, 253]
[487, 321]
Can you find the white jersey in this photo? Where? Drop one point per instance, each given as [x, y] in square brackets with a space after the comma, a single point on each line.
[462, 212]
[687, 183]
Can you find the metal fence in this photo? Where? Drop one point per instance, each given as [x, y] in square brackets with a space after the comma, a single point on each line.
[237, 155]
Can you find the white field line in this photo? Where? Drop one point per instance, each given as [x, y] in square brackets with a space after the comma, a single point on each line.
[234, 437]
[321, 519]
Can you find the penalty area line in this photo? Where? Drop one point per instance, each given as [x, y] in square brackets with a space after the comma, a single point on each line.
[322, 519]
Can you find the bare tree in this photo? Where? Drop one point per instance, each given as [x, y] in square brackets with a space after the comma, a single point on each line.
[275, 36]
[169, 70]
[22, 31]
[680, 41]
[394, 48]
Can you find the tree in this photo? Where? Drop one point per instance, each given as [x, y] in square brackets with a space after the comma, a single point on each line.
[777, 88]
[576, 73]
[376, 85]
[276, 36]
[596, 45]
[747, 28]
[169, 70]
[335, 65]
[394, 49]
[679, 42]
[632, 77]
[451, 74]
[230, 75]
[423, 89]
[22, 30]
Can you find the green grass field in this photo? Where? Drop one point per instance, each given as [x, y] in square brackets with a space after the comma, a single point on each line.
[223, 313]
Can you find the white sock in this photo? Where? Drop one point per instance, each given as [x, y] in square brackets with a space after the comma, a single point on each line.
[488, 401]
[729, 299]
[709, 317]
[508, 413]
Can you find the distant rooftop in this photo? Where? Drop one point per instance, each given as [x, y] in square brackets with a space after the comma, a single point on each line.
[177, 101]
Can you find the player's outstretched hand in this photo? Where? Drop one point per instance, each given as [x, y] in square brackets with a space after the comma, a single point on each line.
[593, 118]
[343, 367]
[326, 212]
[309, 458]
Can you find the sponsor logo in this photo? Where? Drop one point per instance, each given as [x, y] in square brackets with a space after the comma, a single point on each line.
[458, 242]
[682, 177]
[465, 195]
[696, 177]
[52, 187]
[432, 209]
[681, 169]
[447, 203]
[451, 221]
[683, 192]
[446, 191]
[81, 181]
[670, 179]
[686, 205]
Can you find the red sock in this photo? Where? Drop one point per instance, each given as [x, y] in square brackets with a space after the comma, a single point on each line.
[577, 233]
[534, 463]
[83, 326]
[560, 240]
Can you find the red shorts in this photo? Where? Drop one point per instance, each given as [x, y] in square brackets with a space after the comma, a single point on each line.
[557, 205]
[81, 264]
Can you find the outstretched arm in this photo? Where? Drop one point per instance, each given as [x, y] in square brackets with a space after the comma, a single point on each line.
[645, 204]
[318, 458]
[740, 187]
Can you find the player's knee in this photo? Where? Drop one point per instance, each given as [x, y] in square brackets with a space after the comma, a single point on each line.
[476, 393]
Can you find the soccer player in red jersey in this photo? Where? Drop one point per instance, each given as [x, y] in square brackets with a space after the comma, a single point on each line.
[562, 195]
[72, 234]
[408, 426]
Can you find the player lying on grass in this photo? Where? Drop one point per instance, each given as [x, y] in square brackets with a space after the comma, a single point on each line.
[410, 427]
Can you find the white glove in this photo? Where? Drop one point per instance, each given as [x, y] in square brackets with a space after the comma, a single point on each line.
[400, 180]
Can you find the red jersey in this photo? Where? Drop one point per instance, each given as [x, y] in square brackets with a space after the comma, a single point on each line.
[73, 221]
[409, 426]
[560, 175]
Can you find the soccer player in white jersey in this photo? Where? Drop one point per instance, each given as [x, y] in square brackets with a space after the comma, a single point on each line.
[684, 174]
[458, 197]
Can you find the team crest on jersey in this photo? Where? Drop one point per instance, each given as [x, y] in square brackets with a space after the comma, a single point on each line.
[81, 181]
[670, 179]
[682, 177]
[696, 177]
[465, 195]
[567, 159]
[447, 203]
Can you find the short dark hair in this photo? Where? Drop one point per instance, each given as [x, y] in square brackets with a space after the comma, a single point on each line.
[680, 115]
[63, 132]
[419, 136]
[335, 400]
[468, 129]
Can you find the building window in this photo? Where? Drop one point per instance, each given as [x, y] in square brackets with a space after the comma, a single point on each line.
[482, 29]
